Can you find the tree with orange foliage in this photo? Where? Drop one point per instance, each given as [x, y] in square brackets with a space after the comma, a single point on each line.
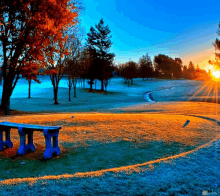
[27, 28]
[30, 74]
[55, 65]
[58, 54]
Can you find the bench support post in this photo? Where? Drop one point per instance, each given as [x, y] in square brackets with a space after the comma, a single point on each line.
[50, 150]
[23, 146]
[7, 143]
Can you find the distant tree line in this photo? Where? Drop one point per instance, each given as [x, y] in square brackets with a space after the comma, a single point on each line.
[163, 66]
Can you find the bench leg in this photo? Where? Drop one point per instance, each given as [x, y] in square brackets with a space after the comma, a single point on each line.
[7, 143]
[50, 150]
[23, 147]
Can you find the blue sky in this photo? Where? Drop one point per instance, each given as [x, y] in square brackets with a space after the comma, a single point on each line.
[184, 29]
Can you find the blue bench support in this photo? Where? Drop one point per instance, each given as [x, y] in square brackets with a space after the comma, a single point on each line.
[7, 143]
[50, 150]
[26, 130]
[23, 146]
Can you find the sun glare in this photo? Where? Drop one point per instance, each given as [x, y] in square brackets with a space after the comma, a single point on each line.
[216, 74]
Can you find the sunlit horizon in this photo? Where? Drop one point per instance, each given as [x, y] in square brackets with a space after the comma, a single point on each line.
[216, 75]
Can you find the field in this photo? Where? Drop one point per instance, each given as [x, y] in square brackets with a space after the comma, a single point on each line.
[122, 148]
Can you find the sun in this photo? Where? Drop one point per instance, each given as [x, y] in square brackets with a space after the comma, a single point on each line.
[216, 74]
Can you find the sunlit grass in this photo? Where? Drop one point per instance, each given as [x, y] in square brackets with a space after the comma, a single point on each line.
[207, 85]
[84, 128]
[210, 88]
[91, 142]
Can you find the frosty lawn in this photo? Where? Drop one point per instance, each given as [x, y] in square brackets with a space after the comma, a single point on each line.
[125, 136]
[91, 142]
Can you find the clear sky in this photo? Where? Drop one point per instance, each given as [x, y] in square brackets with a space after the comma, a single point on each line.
[184, 29]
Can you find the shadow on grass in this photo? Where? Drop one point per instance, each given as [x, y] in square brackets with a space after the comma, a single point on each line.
[96, 156]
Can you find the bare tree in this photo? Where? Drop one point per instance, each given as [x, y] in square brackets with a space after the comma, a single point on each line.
[88, 64]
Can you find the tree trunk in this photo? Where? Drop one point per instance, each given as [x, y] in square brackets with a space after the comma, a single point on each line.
[84, 82]
[5, 105]
[29, 90]
[102, 83]
[55, 96]
[69, 93]
[74, 90]
[69, 85]
[90, 90]
[106, 84]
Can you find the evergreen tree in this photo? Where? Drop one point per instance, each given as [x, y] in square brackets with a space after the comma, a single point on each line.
[145, 67]
[177, 71]
[191, 70]
[216, 62]
[99, 40]
[163, 65]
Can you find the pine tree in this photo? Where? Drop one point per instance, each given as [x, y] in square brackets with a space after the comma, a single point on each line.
[99, 40]
[145, 67]
[216, 62]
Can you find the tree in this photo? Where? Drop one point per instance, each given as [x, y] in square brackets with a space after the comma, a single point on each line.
[185, 72]
[216, 62]
[163, 65]
[145, 67]
[30, 75]
[177, 68]
[191, 70]
[27, 28]
[167, 67]
[88, 62]
[73, 69]
[108, 74]
[56, 58]
[58, 53]
[99, 41]
[128, 71]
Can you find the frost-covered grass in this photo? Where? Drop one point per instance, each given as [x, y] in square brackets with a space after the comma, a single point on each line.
[150, 170]
[91, 142]
[189, 175]
[119, 94]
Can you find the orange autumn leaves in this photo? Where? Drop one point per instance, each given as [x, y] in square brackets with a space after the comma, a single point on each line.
[37, 24]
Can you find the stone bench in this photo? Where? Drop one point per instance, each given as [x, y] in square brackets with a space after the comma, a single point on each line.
[27, 129]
